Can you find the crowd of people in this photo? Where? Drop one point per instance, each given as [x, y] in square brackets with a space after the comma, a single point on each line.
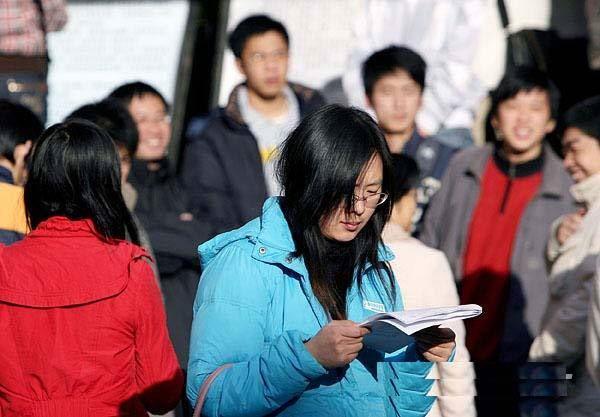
[236, 286]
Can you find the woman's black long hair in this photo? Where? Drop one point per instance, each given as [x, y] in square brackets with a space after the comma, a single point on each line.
[74, 172]
[319, 165]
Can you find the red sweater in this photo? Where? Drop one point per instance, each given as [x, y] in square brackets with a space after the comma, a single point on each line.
[505, 192]
[83, 327]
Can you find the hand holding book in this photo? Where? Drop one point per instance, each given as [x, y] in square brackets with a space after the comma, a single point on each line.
[391, 331]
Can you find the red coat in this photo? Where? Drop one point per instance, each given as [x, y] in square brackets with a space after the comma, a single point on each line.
[82, 327]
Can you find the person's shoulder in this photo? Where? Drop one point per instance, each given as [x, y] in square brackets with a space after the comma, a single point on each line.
[125, 253]
[234, 275]
[309, 97]
[215, 122]
[218, 126]
[464, 158]
[472, 152]
[440, 147]
[413, 248]
[140, 264]
[232, 253]
[554, 167]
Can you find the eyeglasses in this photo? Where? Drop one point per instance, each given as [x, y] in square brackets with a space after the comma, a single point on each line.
[371, 201]
[260, 57]
[154, 120]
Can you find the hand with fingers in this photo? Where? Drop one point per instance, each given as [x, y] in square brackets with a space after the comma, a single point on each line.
[569, 225]
[337, 344]
[435, 343]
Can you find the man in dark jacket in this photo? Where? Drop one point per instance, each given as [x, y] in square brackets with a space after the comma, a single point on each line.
[394, 80]
[229, 169]
[163, 208]
[19, 127]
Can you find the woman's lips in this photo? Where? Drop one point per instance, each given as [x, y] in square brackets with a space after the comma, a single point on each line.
[351, 226]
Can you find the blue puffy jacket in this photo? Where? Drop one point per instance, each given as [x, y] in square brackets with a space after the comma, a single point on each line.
[255, 308]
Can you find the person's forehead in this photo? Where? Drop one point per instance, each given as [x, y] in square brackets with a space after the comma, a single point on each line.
[533, 94]
[397, 77]
[146, 103]
[372, 172]
[574, 135]
[266, 40]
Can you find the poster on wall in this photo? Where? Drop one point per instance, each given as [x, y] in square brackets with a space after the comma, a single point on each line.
[108, 43]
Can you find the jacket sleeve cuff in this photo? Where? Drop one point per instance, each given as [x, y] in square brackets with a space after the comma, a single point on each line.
[304, 362]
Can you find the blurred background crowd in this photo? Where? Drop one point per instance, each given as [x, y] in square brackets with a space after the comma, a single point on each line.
[490, 107]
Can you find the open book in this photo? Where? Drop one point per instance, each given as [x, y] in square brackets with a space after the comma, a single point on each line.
[391, 331]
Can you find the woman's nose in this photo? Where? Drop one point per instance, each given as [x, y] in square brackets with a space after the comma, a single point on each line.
[358, 206]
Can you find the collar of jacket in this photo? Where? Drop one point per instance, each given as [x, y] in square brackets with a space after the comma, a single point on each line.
[518, 170]
[588, 190]
[410, 147]
[86, 270]
[6, 176]
[552, 170]
[56, 225]
[140, 174]
[233, 113]
[60, 226]
[272, 238]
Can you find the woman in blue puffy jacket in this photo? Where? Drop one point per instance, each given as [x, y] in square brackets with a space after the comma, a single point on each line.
[280, 299]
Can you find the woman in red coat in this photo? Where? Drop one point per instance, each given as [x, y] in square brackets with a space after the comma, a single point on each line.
[81, 319]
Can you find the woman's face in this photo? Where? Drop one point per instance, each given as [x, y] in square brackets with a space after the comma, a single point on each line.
[345, 226]
[582, 154]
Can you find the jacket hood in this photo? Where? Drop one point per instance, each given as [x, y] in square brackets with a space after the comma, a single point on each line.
[272, 238]
[271, 226]
[64, 263]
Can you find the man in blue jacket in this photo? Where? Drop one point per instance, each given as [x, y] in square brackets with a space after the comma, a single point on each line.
[394, 80]
[229, 168]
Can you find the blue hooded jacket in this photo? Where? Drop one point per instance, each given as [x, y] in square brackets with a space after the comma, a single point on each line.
[255, 309]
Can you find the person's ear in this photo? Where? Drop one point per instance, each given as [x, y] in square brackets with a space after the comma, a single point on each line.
[240, 66]
[421, 99]
[20, 155]
[494, 122]
[496, 128]
[368, 101]
[21, 151]
[550, 126]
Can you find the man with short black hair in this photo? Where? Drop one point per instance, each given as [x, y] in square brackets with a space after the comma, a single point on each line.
[229, 168]
[19, 128]
[491, 218]
[163, 208]
[394, 80]
[113, 117]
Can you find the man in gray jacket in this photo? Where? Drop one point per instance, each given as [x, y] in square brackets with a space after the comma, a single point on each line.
[491, 218]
